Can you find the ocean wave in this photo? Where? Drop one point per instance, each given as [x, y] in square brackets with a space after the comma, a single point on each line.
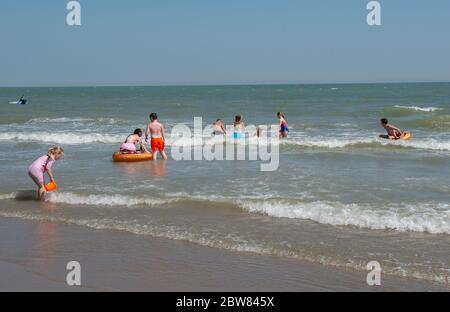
[308, 142]
[104, 200]
[101, 120]
[8, 196]
[211, 237]
[436, 122]
[118, 200]
[210, 141]
[59, 120]
[430, 144]
[371, 141]
[107, 200]
[429, 218]
[419, 109]
[61, 137]
[173, 232]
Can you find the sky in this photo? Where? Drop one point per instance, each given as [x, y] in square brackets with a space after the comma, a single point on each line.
[207, 42]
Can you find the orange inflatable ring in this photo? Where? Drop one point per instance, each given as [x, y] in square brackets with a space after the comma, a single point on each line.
[121, 157]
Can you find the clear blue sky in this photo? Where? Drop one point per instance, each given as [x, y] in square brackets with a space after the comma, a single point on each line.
[160, 42]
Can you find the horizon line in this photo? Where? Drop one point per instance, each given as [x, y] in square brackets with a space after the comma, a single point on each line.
[223, 84]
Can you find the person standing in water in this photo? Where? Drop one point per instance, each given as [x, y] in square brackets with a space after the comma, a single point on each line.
[284, 129]
[157, 131]
[42, 165]
[219, 128]
[239, 127]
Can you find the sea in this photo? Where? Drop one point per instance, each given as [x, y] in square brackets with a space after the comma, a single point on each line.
[340, 196]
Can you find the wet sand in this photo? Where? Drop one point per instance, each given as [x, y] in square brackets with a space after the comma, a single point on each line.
[34, 255]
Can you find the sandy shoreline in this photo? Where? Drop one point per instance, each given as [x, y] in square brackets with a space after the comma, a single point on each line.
[35, 253]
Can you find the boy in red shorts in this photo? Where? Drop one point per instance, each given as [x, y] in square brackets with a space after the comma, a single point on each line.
[157, 136]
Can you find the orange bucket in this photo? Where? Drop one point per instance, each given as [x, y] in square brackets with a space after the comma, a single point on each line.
[50, 187]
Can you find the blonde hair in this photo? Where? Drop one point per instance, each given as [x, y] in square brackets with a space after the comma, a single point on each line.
[55, 150]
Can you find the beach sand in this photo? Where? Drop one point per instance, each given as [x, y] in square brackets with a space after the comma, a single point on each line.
[34, 255]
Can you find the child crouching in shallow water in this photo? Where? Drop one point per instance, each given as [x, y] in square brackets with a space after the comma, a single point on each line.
[129, 146]
[44, 164]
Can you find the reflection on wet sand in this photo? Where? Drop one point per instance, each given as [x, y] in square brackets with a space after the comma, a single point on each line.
[159, 168]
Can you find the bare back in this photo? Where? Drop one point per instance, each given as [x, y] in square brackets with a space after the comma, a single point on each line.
[133, 138]
[392, 131]
[156, 129]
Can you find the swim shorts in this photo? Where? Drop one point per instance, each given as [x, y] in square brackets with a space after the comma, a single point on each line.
[157, 144]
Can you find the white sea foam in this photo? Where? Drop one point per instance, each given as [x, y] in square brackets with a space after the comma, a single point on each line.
[61, 138]
[97, 199]
[8, 196]
[420, 109]
[321, 142]
[426, 144]
[327, 143]
[212, 238]
[59, 120]
[104, 200]
[208, 141]
[431, 218]
[431, 144]
[102, 120]
[427, 217]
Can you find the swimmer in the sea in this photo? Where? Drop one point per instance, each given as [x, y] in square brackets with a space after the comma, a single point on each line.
[393, 133]
[284, 129]
[219, 128]
[239, 128]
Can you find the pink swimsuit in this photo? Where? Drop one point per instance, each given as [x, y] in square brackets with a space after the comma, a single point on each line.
[39, 167]
[128, 147]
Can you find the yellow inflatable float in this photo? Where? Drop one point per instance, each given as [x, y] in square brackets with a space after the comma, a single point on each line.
[123, 157]
[405, 136]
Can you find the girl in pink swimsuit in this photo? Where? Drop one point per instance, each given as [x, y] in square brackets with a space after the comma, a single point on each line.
[129, 146]
[44, 164]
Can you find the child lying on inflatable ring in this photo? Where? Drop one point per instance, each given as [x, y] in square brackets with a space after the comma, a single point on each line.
[129, 146]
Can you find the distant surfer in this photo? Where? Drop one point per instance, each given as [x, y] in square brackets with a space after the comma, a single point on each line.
[22, 101]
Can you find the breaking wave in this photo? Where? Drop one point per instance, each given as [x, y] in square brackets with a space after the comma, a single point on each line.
[418, 109]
